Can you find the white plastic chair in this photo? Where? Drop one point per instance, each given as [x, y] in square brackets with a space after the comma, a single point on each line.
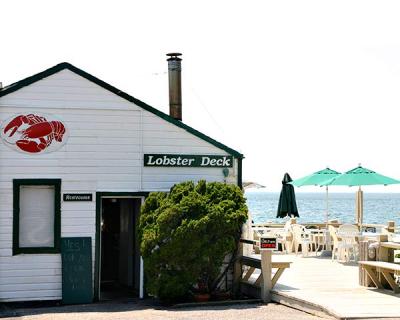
[301, 237]
[348, 243]
[284, 235]
[335, 242]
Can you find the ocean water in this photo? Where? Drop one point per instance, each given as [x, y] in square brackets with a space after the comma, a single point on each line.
[378, 207]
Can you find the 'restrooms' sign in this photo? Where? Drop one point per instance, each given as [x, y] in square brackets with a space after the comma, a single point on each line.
[178, 160]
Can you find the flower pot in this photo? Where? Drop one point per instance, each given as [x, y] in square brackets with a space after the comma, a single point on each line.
[201, 297]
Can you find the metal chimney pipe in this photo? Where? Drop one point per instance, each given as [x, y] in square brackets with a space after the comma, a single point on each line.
[175, 85]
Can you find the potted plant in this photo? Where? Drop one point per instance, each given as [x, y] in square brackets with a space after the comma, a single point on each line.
[202, 292]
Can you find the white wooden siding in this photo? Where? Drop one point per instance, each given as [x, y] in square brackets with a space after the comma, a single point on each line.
[108, 136]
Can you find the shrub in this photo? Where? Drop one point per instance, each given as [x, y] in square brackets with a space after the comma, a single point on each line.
[186, 234]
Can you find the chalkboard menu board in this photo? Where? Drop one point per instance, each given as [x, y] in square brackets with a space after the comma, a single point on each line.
[76, 254]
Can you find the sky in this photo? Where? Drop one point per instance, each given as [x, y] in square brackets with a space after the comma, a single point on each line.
[296, 86]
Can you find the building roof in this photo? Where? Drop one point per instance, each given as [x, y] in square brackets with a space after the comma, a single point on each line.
[65, 65]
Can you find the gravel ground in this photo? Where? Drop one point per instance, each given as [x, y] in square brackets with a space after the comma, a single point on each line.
[131, 311]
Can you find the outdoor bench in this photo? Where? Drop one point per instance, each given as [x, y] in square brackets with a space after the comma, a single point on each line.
[253, 288]
[386, 269]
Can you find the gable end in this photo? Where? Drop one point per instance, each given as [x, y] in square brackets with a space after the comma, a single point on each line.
[65, 65]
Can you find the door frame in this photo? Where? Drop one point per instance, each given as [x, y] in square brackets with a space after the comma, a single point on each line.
[97, 258]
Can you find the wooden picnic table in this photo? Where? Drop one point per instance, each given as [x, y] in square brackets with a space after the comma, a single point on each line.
[386, 250]
[382, 272]
[390, 245]
[386, 269]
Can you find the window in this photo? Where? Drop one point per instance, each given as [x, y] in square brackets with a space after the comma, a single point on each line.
[36, 216]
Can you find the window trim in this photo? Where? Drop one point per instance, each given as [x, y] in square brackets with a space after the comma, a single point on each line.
[17, 183]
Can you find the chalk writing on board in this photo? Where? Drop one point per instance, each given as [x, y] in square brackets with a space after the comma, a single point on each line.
[76, 270]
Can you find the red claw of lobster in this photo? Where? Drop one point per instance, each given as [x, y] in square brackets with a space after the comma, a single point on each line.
[30, 146]
[15, 124]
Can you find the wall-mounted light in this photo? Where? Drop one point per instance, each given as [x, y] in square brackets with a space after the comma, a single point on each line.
[225, 172]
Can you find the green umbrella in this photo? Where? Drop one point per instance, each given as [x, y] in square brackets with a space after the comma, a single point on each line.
[317, 179]
[360, 177]
[287, 199]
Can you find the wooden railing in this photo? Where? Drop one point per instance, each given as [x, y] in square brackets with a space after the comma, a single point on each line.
[281, 225]
[390, 225]
[245, 267]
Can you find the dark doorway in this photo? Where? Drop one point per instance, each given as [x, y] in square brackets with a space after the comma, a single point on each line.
[119, 270]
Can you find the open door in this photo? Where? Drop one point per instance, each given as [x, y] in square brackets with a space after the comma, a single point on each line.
[120, 258]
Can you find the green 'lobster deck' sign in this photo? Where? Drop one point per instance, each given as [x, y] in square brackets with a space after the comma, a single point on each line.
[178, 160]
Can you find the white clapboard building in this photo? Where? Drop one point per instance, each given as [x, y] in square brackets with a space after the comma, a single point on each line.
[77, 159]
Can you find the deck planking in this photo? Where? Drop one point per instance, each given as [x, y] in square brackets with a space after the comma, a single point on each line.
[332, 287]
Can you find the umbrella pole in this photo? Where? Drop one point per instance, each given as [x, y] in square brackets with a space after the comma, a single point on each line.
[327, 252]
[327, 207]
[359, 208]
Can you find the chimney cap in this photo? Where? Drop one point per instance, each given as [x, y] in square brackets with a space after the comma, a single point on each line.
[174, 56]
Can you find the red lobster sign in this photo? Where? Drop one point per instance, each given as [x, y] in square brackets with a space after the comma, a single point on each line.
[34, 133]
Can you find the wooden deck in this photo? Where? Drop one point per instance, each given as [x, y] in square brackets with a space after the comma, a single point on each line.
[319, 285]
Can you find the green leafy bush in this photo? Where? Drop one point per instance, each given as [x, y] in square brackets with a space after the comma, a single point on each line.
[186, 234]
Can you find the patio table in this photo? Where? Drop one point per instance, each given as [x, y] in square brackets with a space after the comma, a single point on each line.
[317, 237]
